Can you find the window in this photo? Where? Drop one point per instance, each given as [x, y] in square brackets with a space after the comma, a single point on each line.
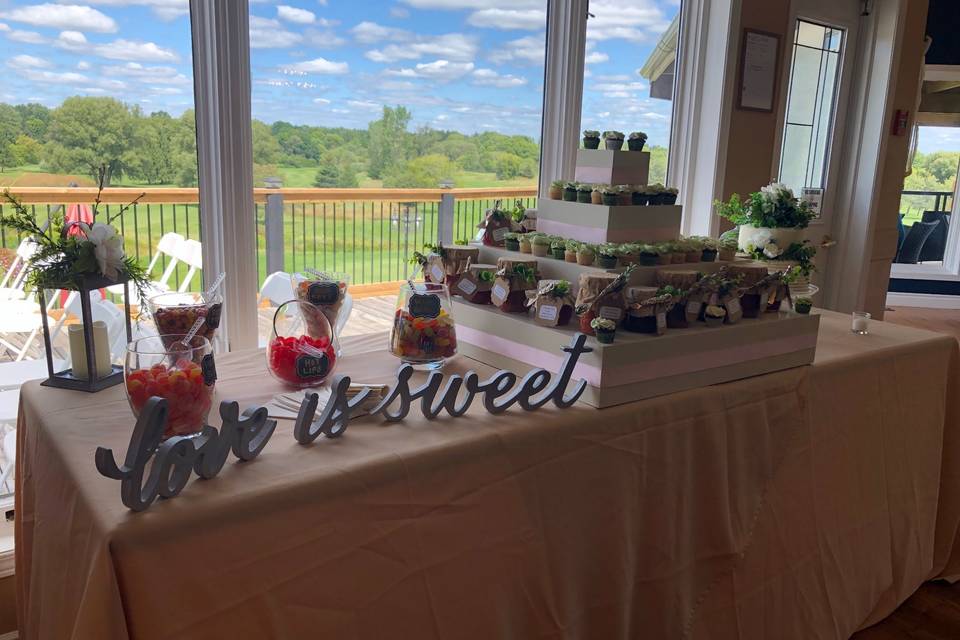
[629, 70]
[811, 100]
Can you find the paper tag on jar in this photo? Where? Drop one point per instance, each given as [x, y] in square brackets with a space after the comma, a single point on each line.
[610, 313]
[500, 291]
[500, 233]
[437, 274]
[661, 323]
[209, 369]
[692, 310]
[734, 310]
[467, 285]
[312, 366]
[323, 292]
[424, 305]
[213, 315]
[548, 314]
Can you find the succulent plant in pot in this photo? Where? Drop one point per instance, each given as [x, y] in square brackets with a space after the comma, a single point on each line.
[639, 195]
[570, 191]
[649, 255]
[655, 193]
[669, 196]
[523, 242]
[627, 254]
[586, 255]
[636, 141]
[591, 139]
[728, 247]
[802, 305]
[714, 315]
[558, 247]
[711, 247]
[605, 329]
[556, 190]
[607, 256]
[610, 196]
[570, 252]
[511, 241]
[540, 245]
[613, 140]
[584, 192]
[626, 194]
[596, 196]
[693, 248]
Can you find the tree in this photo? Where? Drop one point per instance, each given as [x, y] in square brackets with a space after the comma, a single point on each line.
[388, 146]
[266, 149]
[336, 170]
[35, 119]
[155, 157]
[9, 130]
[25, 150]
[86, 133]
[425, 171]
[506, 165]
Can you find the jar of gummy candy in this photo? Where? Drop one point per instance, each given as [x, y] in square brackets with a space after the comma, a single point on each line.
[423, 333]
[175, 313]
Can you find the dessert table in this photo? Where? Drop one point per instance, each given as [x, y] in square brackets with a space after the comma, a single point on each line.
[801, 504]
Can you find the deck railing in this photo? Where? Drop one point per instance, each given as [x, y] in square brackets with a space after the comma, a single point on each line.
[369, 233]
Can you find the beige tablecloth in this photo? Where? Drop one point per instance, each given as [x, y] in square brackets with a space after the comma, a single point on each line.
[802, 504]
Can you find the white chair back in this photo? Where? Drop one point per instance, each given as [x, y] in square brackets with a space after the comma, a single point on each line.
[191, 254]
[16, 275]
[277, 288]
[168, 246]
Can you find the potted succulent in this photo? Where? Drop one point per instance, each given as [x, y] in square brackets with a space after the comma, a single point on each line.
[591, 139]
[636, 141]
[523, 242]
[626, 194]
[556, 190]
[605, 329]
[677, 315]
[771, 215]
[584, 192]
[639, 195]
[511, 241]
[596, 196]
[570, 191]
[714, 315]
[558, 247]
[607, 256]
[710, 248]
[678, 252]
[613, 140]
[586, 255]
[802, 305]
[610, 196]
[540, 245]
[669, 195]
[664, 252]
[627, 254]
[649, 255]
[693, 248]
[728, 248]
[655, 193]
[570, 253]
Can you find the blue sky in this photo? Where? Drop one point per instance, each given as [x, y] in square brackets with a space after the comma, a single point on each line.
[468, 65]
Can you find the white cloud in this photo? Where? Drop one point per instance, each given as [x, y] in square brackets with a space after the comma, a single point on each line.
[619, 89]
[412, 46]
[439, 70]
[316, 66]
[490, 78]
[24, 60]
[399, 12]
[366, 105]
[4, 27]
[369, 32]
[83, 65]
[153, 75]
[473, 4]
[640, 21]
[64, 77]
[164, 9]
[28, 37]
[322, 38]
[295, 15]
[594, 57]
[525, 50]
[267, 33]
[530, 19]
[120, 49]
[64, 16]
[166, 91]
[321, 101]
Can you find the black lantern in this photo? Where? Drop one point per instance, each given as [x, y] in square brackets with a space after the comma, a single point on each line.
[98, 375]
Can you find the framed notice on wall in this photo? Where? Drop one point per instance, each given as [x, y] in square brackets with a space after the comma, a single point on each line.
[759, 60]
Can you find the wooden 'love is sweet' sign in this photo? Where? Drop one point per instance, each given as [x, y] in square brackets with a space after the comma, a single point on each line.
[156, 468]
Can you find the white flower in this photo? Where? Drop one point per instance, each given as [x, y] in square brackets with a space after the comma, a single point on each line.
[771, 250]
[776, 190]
[107, 248]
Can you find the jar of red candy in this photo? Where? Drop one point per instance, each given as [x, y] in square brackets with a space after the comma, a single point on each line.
[301, 354]
[423, 333]
[174, 313]
[326, 291]
[164, 367]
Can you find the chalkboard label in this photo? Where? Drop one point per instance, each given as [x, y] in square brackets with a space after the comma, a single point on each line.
[312, 366]
[424, 305]
[209, 369]
[213, 316]
[324, 292]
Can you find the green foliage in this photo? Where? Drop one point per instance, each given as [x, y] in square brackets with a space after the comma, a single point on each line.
[388, 146]
[87, 133]
[336, 170]
[10, 126]
[425, 171]
[774, 206]
[25, 150]
[35, 119]
[266, 149]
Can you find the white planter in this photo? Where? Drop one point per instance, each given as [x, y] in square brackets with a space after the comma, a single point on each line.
[760, 236]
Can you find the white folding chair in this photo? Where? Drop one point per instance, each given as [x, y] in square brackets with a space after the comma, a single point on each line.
[191, 254]
[23, 316]
[15, 279]
[14, 374]
[277, 289]
[170, 246]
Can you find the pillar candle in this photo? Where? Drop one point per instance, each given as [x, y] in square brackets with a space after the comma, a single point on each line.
[101, 349]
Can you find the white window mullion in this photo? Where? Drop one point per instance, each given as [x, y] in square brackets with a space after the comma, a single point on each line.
[562, 89]
[221, 69]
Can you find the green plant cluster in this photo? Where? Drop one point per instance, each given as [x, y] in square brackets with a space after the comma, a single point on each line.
[773, 207]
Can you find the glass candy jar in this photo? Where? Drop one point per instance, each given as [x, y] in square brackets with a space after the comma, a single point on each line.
[301, 351]
[327, 291]
[184, 375]
[423, 331]
[174, 313]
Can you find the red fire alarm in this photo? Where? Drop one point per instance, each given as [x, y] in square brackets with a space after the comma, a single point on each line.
[900, 118]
